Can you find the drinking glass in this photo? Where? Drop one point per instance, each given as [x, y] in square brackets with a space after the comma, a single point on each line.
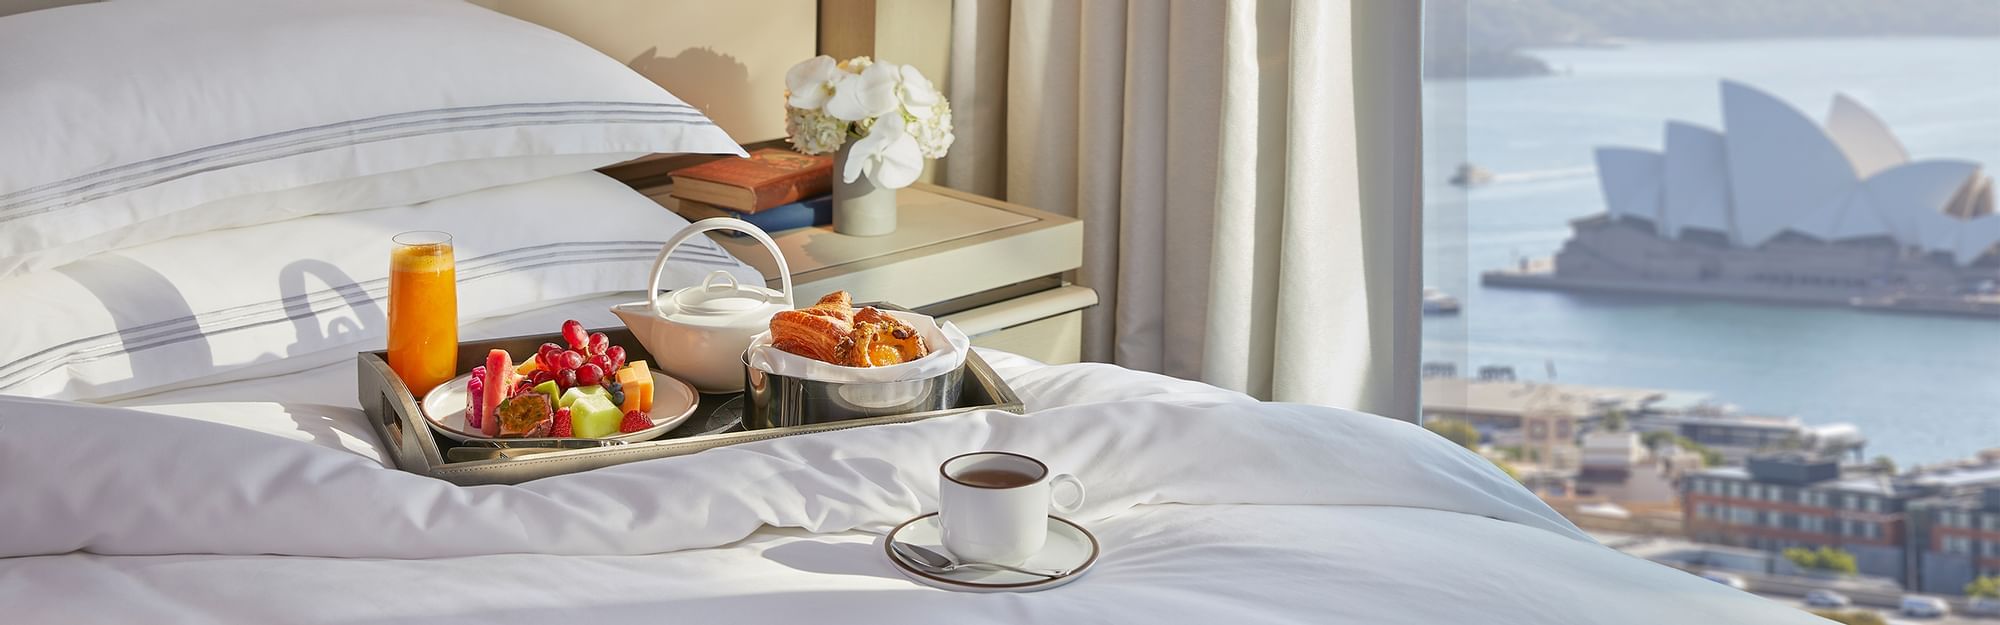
[423, 310]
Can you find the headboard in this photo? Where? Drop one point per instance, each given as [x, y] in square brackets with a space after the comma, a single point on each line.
[726, 58]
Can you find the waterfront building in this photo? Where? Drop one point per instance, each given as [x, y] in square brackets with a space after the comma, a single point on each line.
[1778, 207]
[1799, 500]
[1959, 533]
[1932, 530]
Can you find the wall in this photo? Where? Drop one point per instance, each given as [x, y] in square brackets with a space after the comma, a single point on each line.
[916, 32]
[726, 58]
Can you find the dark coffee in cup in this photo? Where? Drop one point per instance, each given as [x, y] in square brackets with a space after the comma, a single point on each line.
[995, 478]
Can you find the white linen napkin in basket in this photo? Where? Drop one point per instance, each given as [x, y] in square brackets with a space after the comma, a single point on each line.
[947, 343]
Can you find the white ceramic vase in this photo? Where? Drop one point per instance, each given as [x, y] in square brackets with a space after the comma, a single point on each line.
[860, 208]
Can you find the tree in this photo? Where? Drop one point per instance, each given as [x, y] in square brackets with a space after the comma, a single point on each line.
[1455, 431]
[1614, 421]
[1655, 440]
[1885, 464]
[1985, 586]
[1852, 617]
[1825, 559]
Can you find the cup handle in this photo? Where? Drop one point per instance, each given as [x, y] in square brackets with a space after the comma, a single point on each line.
[1055, 502]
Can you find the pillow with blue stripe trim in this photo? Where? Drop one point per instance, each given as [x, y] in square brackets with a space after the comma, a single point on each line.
[123, 123]
[274, 298]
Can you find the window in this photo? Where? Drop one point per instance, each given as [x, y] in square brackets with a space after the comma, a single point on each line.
[1957, 545]
[1545, 173]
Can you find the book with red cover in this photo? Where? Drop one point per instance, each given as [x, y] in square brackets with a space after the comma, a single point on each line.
[769, 177]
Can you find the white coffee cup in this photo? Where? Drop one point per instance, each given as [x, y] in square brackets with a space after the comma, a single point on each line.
[994, 506]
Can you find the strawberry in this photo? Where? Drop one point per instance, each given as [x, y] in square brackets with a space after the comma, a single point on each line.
[562, 427]
[634, 421]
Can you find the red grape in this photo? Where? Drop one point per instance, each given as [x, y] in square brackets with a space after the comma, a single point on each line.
[572, 331]
[599, 343]
[603, 362]
[566, 378]
[617, 354]
[571, 360]
[545, 357]
[589, 375]
[541, 375]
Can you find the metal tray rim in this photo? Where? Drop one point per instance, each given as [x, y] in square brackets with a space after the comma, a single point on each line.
[401, 428]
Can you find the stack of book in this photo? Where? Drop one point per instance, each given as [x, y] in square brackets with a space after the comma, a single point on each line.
[774, 189]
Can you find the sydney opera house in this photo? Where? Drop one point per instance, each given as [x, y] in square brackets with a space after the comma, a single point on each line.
[1779, 207]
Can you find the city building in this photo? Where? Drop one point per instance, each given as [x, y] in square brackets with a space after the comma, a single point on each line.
[1958, 531]
[1781, 208]
[1932, 529]
[1800, 500]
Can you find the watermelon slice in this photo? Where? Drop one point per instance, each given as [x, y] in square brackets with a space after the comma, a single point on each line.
[499, 367]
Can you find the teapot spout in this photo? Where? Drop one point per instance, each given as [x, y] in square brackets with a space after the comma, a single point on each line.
[638, 316]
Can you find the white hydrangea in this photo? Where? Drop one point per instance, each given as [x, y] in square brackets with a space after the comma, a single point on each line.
[933, 132]
[813, 131]
[856, 64]
[897, 115]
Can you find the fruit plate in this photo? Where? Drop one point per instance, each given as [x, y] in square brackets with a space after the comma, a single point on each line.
[673, 403]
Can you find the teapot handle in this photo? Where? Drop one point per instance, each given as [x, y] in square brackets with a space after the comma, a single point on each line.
[706, 225]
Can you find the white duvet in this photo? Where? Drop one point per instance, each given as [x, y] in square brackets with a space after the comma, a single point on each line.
[1211, 508]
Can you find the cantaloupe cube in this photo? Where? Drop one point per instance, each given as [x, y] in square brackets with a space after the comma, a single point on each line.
[637, 382]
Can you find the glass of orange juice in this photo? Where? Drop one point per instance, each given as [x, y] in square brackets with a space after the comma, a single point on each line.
[423, 310]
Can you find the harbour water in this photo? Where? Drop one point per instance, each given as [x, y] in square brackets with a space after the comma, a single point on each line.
[1922, 388]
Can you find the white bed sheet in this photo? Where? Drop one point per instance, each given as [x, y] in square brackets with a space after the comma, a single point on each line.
[1219, 563]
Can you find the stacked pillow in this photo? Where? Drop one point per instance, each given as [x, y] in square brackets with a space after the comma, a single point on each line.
[128, 122]
[123, 169]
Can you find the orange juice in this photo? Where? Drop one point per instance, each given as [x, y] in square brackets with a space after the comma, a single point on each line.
[423, 310]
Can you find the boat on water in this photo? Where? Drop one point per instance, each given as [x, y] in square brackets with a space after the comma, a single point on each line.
[1470, 175]
[1438, 302]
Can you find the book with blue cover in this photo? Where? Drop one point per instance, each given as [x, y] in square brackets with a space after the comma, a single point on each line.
[816, 211]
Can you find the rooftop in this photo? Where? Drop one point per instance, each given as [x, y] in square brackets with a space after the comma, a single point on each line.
[1511, 398]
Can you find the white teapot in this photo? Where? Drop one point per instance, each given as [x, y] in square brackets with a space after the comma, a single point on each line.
[699, 334]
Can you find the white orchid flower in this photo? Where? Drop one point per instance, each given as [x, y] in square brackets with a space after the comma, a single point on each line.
[811, 81]
[870, 94]
[915, 91]
[889, 155]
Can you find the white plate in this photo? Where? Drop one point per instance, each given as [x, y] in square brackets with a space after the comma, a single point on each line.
[1070, 547]
[673, 403]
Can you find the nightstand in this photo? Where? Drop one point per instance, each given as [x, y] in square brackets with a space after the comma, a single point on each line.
[993, 268]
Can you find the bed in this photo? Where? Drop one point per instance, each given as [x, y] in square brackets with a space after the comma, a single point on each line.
[180, 441]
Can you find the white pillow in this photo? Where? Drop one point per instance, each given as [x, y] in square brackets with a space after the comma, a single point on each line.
[313, 290]
[208, 114]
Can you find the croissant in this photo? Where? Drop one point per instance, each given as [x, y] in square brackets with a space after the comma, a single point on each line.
[815, 332]
[832, 331]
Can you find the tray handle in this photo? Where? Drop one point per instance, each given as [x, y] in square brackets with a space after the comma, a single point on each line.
[708, 225]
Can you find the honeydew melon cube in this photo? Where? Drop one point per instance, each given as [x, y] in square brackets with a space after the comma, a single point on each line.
[550, 389]
[593, 416]
[570, 396]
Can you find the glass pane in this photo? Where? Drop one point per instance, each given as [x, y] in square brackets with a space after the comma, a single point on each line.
[1728, 267]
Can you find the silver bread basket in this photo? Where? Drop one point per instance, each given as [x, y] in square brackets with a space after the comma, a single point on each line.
[776, 401]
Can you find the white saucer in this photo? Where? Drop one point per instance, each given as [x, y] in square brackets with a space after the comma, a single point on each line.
[673, 402]
[1069, 547]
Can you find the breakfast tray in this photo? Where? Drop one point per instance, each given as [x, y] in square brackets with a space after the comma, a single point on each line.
[411, 444]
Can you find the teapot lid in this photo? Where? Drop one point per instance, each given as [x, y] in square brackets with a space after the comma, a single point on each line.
[719, 299]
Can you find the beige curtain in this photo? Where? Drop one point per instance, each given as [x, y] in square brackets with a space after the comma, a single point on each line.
[1246, 171]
